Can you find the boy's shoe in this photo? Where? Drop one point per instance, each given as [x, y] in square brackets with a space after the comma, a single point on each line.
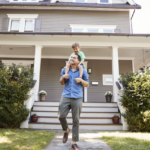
[65, 137]
[75, 147]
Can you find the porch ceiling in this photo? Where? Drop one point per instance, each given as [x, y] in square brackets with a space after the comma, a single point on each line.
[63, 52]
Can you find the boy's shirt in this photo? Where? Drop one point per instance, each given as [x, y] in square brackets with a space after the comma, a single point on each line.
[81, 54]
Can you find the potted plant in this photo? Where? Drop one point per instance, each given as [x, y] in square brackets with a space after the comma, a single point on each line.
[115, 119]
[108, 96]
[42, 95]
[34, 118]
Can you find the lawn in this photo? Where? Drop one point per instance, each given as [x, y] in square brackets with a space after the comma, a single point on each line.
[126, 140]
[16, 139]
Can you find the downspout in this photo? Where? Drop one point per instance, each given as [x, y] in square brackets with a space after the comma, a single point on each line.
[131, 21]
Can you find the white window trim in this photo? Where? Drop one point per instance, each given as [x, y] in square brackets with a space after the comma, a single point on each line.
[85, 28]
[109, 2]
[22, 18]
[104, 76]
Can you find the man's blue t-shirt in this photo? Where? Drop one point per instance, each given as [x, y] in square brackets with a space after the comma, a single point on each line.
[73, 89]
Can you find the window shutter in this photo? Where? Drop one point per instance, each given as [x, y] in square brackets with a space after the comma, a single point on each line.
[37, 26]
[117, 31]
[67, 29]
[5, 24]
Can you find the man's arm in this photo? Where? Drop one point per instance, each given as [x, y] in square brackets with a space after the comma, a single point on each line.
[62, 79]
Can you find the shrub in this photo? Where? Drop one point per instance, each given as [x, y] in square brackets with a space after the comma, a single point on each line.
[136, 99]
[15, 83]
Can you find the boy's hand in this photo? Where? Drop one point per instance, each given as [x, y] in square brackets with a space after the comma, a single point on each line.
[78, 80]
[66, 76]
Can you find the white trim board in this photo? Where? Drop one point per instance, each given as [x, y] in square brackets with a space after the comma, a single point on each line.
[64, 57]
[18, 16]
[18, 62]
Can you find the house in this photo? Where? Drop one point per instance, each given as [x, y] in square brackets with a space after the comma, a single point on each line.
[40, 33]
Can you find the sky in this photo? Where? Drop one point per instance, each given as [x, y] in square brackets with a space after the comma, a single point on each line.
[141, 19]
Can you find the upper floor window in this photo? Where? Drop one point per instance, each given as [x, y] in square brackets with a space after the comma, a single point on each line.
[22, 22]
[80, 1]
[104, 1]
[24, 0]
[93, 28]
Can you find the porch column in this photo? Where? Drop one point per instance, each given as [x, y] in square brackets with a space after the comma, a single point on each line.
[115, 71]
[37, 68]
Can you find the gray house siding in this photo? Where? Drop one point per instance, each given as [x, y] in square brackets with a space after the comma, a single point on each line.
[50, 75]
[59, 20]
[49, 78]
[100, 67]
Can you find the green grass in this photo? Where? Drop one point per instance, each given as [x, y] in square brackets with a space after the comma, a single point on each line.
[126, 140]
[16, 139]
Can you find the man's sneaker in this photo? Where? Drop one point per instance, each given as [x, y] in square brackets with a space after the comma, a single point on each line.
[75, 147]
[65, 137]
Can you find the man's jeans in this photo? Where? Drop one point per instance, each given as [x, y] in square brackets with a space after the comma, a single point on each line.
[64, 106]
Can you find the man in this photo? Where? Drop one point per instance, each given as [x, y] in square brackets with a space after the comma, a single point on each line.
[72, 98]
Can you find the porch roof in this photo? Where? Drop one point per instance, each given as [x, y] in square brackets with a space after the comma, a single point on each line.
[70, 4]
[73, 33]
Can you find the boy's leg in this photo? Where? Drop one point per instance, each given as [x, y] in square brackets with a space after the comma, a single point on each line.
[80, 70]
[76, 106]
[67, 68]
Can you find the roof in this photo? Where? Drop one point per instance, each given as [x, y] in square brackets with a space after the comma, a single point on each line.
[73, 33]
[70, 4]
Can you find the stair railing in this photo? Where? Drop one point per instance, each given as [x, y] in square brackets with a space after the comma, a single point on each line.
[29, 104]
[121, 108]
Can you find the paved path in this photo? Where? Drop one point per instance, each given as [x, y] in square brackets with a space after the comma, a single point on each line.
[89, 140]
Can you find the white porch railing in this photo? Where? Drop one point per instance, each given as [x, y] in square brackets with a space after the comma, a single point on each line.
[29, 103]
[122, 110]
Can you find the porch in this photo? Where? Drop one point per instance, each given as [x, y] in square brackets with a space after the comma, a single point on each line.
[106, 55]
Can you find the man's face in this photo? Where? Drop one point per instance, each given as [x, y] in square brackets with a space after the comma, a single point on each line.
[74, 59]
[76, 49]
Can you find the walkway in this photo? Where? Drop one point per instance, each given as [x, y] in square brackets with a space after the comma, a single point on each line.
[89, 140]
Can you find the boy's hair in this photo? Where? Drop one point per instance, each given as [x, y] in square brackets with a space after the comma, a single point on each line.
[75, 45]
[78, 56]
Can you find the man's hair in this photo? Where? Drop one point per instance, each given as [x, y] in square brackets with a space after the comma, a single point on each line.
[78, 56]
[75, 45]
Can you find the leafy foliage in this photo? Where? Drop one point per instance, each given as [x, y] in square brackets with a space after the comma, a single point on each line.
[136, 99]
[15, 83]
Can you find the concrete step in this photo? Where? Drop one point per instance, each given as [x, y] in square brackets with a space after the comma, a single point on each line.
[85, 109]
[83, 114]
[103, 104]
[82, 120]
[101, 127]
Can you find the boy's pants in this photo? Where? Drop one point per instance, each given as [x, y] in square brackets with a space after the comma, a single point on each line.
[64, 106]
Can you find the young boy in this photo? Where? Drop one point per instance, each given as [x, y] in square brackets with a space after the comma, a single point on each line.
[76, 49]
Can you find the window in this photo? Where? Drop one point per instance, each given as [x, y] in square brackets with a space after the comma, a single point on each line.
[77, 30]
[104, 1]
[80, 1]
[108, 31]
[24, 0]
[21, 22]
[14, 25]
[93, 28]
[92, 31]
[29, 25]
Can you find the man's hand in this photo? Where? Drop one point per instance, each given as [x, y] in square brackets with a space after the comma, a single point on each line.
[78, 80]
[66, 76]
